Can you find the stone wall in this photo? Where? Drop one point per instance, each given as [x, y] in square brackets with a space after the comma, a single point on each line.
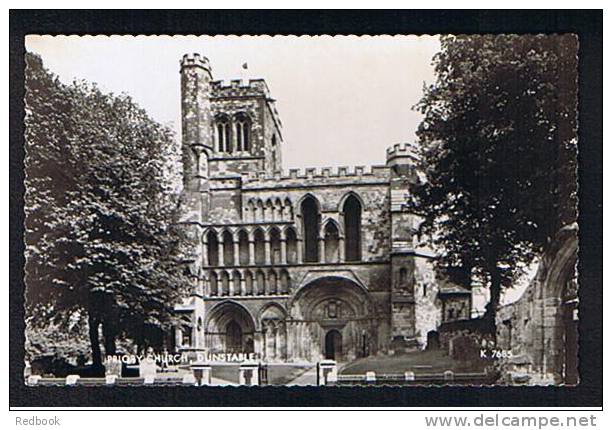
[540, 329]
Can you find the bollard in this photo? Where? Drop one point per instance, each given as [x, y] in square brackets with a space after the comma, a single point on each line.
[202, 373]
[72, 379]
[33, 379]
[189, 379]
[327, 372]
[449, 375]
[409, 376]
[249, 373]
[111, 379]
[370, 377]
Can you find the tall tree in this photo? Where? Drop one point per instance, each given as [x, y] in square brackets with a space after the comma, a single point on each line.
[99, 210]
[498, 149]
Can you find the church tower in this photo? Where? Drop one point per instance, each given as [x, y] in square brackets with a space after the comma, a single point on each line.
[401, 159]
[197, 145]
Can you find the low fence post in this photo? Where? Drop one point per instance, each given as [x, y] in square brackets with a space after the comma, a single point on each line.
[327, 372]
[249, 373]
[449, 375]
[33, 379]
[370, 377]
[201, 373]
[110, 379]
[72, 379]
[409, 375]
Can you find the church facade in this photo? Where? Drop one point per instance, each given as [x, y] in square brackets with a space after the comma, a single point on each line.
[298, 265]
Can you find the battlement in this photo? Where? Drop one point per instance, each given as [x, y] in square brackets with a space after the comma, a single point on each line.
[356, 172]
[240, 87]
[402, 150]
[195, 60]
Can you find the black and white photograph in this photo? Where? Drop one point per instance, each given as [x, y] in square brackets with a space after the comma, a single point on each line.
[199, 212]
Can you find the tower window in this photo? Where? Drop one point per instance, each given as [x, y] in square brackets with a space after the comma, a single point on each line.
[223, 134]
[243, 131]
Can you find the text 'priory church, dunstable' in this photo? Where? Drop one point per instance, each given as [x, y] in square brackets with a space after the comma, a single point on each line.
[296, 266]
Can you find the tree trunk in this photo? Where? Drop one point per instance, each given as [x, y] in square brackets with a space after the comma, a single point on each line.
[495, 294]
[94, 339]
[109, 338]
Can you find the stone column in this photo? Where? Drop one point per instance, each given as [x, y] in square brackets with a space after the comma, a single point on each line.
[242, 286]
[341, 255]
[221, 253]
[236, 253]
[283, 251]
[321, 250]
[231, 285]
[267, 248]
[205, 254]
[299, 251]
[251, 253]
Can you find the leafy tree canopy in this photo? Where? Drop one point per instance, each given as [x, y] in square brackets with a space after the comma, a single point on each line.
[99, 209]
[498, 149]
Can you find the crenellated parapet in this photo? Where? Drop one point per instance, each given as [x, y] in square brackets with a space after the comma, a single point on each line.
[195, 60]
[355, 173]
[402, 150]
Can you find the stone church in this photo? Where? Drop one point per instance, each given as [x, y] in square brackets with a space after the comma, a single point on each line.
[301, 265]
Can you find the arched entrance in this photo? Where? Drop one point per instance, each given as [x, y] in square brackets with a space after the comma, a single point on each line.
[233, 337]
[229, 329]
[333, 344]
[332, 317]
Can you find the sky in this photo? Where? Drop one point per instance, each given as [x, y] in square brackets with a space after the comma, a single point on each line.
[342, 100]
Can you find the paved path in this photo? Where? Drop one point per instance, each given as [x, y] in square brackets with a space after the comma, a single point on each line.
[307, 378]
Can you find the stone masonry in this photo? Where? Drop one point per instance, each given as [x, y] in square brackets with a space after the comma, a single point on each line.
[298, 265]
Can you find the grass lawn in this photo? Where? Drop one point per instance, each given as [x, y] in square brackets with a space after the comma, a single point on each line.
[433, 361]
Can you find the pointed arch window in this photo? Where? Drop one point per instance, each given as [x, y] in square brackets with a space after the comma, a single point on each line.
[332, 239]
[243, 133]
[352, 227]
[223, 134]
[212, 248]
[310, 220]
[291, 238]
